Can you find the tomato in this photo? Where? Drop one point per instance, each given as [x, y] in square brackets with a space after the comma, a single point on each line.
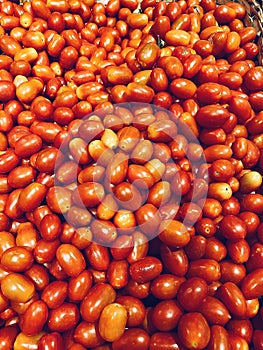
[219, 338]
[232, 228]
[161, 315]
[98, 256]
[53, 340]
[233, 298]
[208, 269]
[17, 287]
[147, 55]
[197, 288]
[55, 294]
[135, 338]
[135, 310]
[166, 286]
[8, 336]
[87, 334]
[34, 318]
[145, 269]
[70, 259]
[173, 233]
[175, 260]
[253, 79]
[118, 274]
[104, 294]
[252, 284]
[17, 259]
[214, 311]
[193, 331]
[112, 321]
[63, 317]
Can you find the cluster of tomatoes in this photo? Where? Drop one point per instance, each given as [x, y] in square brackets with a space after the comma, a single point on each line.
[131, 138]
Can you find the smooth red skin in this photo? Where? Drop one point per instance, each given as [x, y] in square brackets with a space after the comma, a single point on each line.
[193, 330]
[39, 275]
[122, 247]
[34, 318]
[219, 338]
[134, 339]
[98, 256]
[244, 328]
[146, 269]
[165, 341]
[191, 293]
[252, 284]
[50, 227]
[195, 249]
[215, 249]
[236, 341]
[32, 196]
[56, 271]
[231, 272]
[79, 286]
[17, 259]
[87, 334]
[255, 260]
[233, 298]
[135, 309]
[63, 317]
[97, 298]
[45, 251]
[118, 274]
[51, 341]
[138, 290]
[8, 336]
[238, 251]
[233, 228]
[71, 259]
[251, 220]
[214, 311]
[55, 294]
[208, 269]
[218, 116]
[174, 260]
[166, 315]
[166, 286]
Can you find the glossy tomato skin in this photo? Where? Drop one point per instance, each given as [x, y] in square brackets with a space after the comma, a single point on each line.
[8, 336]
[165, 341]
[175, 260]
[104, 294]
[244, 328]
[166, 286]
[252, 284]
[55, 294]
[194, 331]
[197, 288]
[233, 298]
[87, 334]
[35, 317]
[136, 310]
[52, 340]
[63, 317]
[146, 269]
[219, 338]
[214, 311]
[112, 321]
[135, 338]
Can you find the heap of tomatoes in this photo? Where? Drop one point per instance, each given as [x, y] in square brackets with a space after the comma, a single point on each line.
[131, 155]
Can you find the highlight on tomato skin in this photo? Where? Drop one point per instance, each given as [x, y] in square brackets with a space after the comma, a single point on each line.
[130, 175]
